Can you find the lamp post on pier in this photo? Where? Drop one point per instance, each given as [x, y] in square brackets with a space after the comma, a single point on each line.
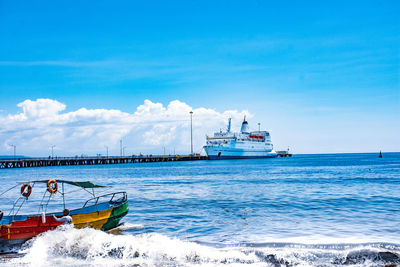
[52, 151]
[191, 133]
[15, 148]
[106, 150]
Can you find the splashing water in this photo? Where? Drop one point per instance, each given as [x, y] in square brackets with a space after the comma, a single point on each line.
[68, 246]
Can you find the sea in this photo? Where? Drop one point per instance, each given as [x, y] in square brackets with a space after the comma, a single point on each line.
[305, 210]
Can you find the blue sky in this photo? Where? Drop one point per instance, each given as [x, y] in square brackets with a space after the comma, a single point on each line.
[323, 76]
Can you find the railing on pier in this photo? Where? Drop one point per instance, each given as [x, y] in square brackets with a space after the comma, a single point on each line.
[73, 161]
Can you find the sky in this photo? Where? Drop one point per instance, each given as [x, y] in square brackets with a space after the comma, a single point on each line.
[321, 76]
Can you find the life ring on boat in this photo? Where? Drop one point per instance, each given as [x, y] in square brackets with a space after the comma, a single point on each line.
[26, 190]
[1, 215]
[52, 186]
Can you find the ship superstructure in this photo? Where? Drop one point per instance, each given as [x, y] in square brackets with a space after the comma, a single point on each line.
[245, 144]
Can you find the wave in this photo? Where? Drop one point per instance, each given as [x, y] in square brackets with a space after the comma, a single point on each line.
[67, 246]
[130, 226]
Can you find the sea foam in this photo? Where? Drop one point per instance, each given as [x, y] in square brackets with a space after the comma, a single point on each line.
[67, 246]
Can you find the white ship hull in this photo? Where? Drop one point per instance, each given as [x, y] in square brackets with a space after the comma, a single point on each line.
[214, 152]
[246, 144]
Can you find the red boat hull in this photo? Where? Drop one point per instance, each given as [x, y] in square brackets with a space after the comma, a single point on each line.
[28, 228]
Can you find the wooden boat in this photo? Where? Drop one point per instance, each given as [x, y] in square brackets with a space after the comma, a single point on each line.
[102, 212]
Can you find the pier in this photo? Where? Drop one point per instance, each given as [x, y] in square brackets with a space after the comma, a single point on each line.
[74, 161]
[283, 154]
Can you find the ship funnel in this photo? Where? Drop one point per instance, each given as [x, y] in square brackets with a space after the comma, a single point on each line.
[229, 125]
[245, 126]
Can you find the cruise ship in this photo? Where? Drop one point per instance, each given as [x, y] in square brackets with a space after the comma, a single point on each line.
[246, 144]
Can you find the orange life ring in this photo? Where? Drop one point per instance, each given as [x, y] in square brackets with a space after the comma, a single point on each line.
[26, 190]
[52, 186]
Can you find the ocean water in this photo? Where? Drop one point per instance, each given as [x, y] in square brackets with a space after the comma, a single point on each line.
[308, 210]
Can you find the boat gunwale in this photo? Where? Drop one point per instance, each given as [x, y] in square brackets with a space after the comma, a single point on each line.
[30, 226]
[10, 226]
[83, 207]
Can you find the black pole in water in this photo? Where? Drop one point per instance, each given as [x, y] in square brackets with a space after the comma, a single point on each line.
[380, 154]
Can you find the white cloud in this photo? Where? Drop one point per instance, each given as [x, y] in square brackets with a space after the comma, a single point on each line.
[153, 126]
[41, 108]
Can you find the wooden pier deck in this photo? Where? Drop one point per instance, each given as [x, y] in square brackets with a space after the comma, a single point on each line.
[74, 161]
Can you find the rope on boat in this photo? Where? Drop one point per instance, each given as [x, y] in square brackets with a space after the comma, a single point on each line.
[15, 202]
[19, 206]
[41, 202]
[9, 189]
[47, 204]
